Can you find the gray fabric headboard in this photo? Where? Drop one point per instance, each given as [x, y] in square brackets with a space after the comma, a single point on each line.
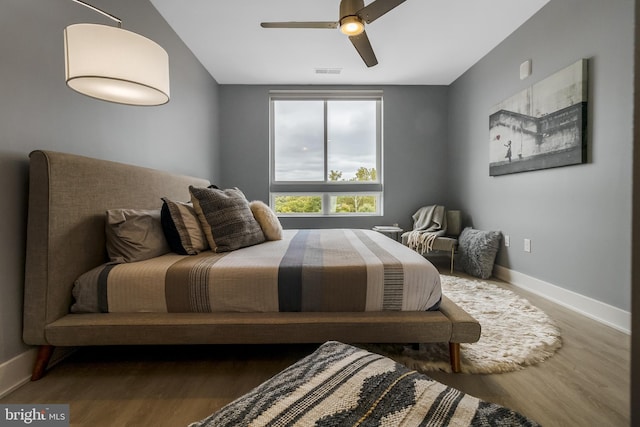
[68, 197]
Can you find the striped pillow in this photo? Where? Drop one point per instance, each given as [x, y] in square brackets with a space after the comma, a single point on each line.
[226, 218]
[182, 228]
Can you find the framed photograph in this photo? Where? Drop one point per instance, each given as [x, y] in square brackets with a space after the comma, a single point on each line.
[544, 126]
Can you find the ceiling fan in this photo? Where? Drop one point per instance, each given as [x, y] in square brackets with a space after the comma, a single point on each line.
[353, 15]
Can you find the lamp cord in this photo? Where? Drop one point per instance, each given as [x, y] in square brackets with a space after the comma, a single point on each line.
[95, 9]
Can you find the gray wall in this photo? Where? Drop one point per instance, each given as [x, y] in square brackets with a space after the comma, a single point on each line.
[38, 111]
[578, 217]
[635, 260]
[415, 135]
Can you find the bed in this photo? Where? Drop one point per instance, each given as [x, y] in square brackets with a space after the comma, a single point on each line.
[68, 198]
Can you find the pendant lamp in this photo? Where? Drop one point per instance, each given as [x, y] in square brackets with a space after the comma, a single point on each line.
[114, 64]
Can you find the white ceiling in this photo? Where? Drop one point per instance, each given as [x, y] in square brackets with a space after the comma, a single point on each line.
[423, 42]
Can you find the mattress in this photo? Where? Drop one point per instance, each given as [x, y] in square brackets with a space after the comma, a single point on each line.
[330, 270]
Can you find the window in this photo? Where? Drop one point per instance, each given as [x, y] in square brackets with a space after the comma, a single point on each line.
[326, 153]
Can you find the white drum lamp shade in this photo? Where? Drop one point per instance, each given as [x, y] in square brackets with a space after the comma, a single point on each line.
[115, 65]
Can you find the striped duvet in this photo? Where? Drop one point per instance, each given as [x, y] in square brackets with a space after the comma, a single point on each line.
[308, 270]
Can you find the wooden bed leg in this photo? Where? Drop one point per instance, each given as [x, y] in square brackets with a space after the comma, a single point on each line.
[453, 253]
[40, 366]
[454, 356]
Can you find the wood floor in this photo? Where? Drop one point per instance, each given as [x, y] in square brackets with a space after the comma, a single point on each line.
[586, 383]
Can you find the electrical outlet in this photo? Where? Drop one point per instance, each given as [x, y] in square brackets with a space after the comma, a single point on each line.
[507, 241]
[527, 245]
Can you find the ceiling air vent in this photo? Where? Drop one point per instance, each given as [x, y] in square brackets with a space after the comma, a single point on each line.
[328, 70]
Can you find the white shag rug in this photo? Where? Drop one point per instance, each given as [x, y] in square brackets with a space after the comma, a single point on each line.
[515, 334]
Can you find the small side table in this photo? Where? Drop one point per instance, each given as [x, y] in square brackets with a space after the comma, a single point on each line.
[391, 231]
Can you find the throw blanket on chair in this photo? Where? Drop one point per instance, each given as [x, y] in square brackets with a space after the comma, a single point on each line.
[429, 222]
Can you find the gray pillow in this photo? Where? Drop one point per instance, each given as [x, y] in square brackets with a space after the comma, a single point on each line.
[226, 218]
[134, 235]
[478, 251]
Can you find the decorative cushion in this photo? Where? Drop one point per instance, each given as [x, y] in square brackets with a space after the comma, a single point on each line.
[182, 228]
[267, 219]
[226, 218]
[478, 251]
[134, 235]
[342, 385]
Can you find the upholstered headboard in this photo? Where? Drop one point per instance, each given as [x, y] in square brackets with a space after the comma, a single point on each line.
[68, 197]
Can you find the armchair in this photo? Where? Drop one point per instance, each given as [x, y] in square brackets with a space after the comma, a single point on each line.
[448, 242]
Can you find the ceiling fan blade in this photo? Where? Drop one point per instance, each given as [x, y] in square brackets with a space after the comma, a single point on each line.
[294, 24]
[376, 9]
[363, 46]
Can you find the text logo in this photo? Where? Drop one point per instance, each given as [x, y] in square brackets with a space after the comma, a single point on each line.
[34, 415]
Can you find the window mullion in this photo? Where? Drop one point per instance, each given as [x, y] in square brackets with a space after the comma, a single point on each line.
[379, 130]
[326, 142]
[325, 197]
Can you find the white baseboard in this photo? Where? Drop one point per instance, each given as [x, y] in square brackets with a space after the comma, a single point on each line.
[17, 371]
[589, 307]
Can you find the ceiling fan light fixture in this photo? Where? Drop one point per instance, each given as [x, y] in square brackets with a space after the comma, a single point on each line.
[351, 25]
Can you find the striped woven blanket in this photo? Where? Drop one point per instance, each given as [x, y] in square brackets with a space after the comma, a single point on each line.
[341, 385]
[346, 270]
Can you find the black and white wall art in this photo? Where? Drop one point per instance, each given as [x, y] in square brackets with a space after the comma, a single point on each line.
[543, 126]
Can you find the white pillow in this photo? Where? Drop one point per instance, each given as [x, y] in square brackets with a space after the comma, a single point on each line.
[267, 219]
